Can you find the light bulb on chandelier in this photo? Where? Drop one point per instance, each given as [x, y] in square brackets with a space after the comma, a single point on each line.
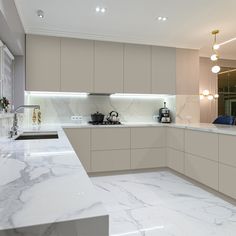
[215, 69]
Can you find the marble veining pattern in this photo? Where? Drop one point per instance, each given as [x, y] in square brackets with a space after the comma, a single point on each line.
[163, 204]
[42, 182]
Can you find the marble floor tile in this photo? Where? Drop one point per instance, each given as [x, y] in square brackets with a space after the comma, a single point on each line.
[163, 204]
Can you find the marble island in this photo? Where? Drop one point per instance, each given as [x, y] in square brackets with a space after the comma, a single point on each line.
[44, 190]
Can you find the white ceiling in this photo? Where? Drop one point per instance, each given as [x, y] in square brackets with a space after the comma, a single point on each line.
[189, 24]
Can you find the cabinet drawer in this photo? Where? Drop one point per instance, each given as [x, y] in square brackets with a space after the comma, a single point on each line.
[202, 170]
[175, 138]
[152, 137]
[110, 138]
[227, 176]
[202, 144]
[227, 149]
[110, 160]
[148, 158]
[175, 160]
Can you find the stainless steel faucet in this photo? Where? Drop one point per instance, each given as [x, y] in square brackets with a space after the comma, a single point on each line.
[14, 128]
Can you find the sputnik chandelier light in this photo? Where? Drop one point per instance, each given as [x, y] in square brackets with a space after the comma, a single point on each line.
[215, 56]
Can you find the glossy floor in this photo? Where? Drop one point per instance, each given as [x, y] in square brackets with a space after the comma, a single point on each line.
[163, 204]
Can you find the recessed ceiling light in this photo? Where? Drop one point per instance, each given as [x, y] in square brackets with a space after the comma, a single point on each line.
[100, 9]
[162, 18]
[40, 13]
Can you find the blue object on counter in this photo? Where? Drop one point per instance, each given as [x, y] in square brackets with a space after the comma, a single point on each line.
[225, 120]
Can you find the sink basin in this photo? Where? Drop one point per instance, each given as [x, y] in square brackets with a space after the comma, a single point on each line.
[38, 135]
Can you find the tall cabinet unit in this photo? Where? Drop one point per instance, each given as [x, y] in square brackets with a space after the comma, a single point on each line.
[163, 70]
[137, 68]
[77, 65]
[109, 67]
[42, 63]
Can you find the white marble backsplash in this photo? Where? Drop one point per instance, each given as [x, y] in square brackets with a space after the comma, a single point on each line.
[187, 109]
[60, 109]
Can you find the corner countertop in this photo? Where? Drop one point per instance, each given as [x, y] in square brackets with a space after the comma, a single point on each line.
[44, 182]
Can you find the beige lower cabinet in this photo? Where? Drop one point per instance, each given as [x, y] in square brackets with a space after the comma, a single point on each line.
[80, 141]
[227, 149]
[227, 176]
[175, 160]
[203, 170]
[147, 158]
[110, 138]
[203, 144]
[148, 137]
[175, 138]
[110, 160]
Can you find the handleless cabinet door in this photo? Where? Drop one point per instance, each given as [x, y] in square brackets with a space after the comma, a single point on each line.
[42, 63]
[110, 138]
[203, 144]
[163, 70]
[148, 137]
[109, 58]
[175, 138]
[80, 141]
[137, 68]
[77, 65]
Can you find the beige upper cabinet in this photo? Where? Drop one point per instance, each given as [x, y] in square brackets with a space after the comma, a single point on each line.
[187, 72]
[137, 68]
[42, 63]
[163, 70]
[77, 65]
[109, 60]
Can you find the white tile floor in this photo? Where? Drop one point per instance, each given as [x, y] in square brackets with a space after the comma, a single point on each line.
[163, 204]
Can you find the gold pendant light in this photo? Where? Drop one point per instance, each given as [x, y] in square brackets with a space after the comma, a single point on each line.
[215, 56]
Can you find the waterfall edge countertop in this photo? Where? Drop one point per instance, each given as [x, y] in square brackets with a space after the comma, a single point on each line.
[43, 182]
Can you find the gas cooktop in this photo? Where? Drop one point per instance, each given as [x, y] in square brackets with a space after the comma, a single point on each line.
[105, 123]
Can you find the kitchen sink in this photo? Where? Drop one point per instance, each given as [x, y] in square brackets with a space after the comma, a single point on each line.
[37, 135]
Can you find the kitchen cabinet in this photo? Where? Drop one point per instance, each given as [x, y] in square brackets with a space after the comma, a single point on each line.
[80, 141]
[227, 149]
[137, 68]
[175, 138]
[77, 65]
[163, 70]
[110, 160]
[42, 63]
[187, 72]
[147, 158]
[227, 176]
[175, 160]
[148, 137]
[110, 138]
[202, 170]
[203, 144]
[109, 70]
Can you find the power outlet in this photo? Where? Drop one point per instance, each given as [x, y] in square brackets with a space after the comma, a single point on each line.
[155, 117]
[76, 118]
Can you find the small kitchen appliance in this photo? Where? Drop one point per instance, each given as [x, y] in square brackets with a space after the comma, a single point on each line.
[111, 119]
[164, 114]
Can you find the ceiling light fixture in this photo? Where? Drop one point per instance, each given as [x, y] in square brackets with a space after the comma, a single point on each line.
[100, 9]
[40, 13]
[215, 69]
[162, 18]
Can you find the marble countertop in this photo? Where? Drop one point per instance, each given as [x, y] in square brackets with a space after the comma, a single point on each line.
[44, 182]
[207, 127]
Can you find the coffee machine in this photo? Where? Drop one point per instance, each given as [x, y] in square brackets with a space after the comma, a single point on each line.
[164, 114]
